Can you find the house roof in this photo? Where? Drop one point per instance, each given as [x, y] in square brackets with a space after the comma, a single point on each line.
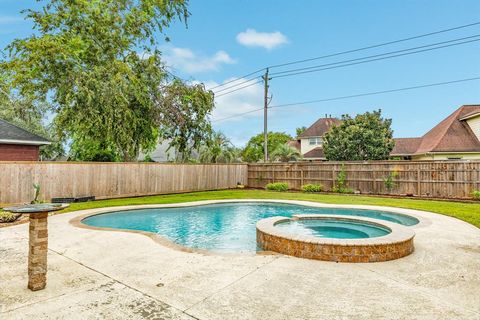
[405, 146]
[12, 134]
[294, 144]
[320, 127]
[316, 153]
[453, 134]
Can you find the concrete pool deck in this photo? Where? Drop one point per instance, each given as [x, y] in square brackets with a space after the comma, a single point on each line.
[124, 275]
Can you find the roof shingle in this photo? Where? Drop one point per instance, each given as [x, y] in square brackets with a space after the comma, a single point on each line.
[451, 135]
[10, 133]
[320, 127]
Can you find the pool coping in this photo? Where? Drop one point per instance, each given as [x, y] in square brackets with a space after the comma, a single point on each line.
[77, 221]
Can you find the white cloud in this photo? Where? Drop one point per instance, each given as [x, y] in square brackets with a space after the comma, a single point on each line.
[267, 40]
[10, 19]
[188, 61]
[241, 101]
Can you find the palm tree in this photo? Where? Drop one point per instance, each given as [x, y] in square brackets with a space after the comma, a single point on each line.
[285, 153]
[219, 149]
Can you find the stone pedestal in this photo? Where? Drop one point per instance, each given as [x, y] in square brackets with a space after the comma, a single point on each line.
[37, 253]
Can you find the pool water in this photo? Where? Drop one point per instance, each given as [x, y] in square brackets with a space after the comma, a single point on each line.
[227, 227]
[331, 228]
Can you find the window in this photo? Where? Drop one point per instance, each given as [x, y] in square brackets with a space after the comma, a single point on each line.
[315, 141]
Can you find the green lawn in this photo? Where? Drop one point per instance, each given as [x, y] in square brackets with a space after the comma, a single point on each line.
[469, 212]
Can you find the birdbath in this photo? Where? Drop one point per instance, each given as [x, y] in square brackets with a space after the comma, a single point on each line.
[37, 240]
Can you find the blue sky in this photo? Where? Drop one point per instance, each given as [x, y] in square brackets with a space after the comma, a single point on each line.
[227, 39]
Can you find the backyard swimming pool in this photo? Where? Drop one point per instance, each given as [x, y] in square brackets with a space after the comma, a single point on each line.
[222, 227]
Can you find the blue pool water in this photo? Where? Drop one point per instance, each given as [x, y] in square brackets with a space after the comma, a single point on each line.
[333, 229]
[228, 227]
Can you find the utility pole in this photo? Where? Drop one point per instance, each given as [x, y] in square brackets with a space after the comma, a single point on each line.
[265, 116]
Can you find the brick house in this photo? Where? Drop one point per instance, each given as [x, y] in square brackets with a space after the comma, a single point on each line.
[17, 144]
[457, 137]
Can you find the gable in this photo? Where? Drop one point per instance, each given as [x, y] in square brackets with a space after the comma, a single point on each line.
[474, 124]
[320, 127]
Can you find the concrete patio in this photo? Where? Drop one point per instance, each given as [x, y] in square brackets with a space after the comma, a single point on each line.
[123, 275]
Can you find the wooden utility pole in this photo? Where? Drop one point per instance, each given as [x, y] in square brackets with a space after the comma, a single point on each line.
[265, 116]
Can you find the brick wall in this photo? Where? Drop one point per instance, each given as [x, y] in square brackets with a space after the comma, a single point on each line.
[14, 152]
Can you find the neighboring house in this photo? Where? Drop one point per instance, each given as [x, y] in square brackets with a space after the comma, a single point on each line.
[457, 137]
[162, 153]
[17, 144]
[310, 142]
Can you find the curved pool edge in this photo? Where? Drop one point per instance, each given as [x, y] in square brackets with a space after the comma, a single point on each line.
[397, 244]
[82, 214]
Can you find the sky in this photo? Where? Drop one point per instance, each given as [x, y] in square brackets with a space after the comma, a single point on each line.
[228, 39]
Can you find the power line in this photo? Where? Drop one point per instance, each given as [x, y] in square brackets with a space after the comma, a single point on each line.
[349, 51]
[346, 63]
[235, 85]
[377, 55]
[238, 78]
[355, 96]
[317, 68]
[237, 115]
[376, 45]
[339, 53]
[228, 92]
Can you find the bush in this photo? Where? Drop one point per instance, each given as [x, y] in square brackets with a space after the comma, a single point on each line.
[341, 182]
[389, 181]
[312, 188]
[476, 194]
[277, 186]
[8, 216]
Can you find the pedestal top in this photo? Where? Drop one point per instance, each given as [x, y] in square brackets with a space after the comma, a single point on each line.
[37, 208]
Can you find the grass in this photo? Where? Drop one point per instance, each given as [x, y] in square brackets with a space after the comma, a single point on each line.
[469, 212]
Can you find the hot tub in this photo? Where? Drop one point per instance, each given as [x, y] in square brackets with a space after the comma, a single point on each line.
[335, 238]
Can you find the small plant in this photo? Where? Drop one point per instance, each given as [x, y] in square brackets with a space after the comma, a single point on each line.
[476, 194]
[312, 188]
[36, 186]
[341, 182]
[389, 181]
[6, 216]
[277, 186]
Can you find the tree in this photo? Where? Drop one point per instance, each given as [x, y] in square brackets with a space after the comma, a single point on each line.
[285, 153]
[85, 60]
[88, 150]
[253, 151]
[366, 137]
[185, 110]
[21, 112]
[300, 130]
[219, 149]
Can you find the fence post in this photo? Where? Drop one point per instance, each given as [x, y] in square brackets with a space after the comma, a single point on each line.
[333, 177]
[419, 191]
[301, 178]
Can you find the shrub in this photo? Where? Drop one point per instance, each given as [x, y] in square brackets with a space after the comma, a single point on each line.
[312, 188]
[277, 186]
[389, 181]
[476, 194]
[6, 216]
[341, 182]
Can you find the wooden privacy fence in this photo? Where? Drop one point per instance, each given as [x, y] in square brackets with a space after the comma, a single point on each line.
[112, 180]
[444, 179]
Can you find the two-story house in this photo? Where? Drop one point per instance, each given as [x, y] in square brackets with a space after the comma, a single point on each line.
[310, 142]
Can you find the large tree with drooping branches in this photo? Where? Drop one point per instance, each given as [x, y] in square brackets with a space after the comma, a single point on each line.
[96, 63]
